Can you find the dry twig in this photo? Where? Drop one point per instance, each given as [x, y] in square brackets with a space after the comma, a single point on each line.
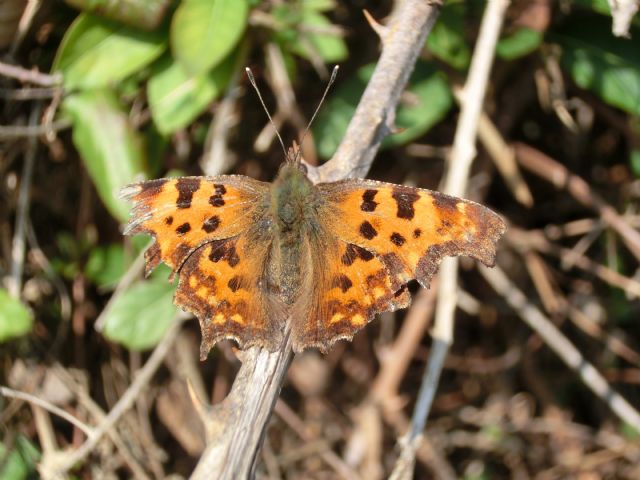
[455, 183]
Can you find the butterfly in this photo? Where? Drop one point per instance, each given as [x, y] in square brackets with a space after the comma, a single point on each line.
[251, 256]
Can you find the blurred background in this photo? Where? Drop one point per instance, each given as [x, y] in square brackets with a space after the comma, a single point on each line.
[96, 95]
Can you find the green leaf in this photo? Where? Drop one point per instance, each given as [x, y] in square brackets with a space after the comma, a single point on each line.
[331, 48]
[15, 319]
[176, 98]
[96, 52]
[429, 100]
[21, 462]
[600, 6]
[446, 41]
[318, 5]
[106, 265]
[204, 32]
[519, 44]
[602, 63]
[139, 317]
[111, 150]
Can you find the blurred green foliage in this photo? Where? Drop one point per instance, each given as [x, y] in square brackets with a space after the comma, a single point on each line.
[20, 462]
[139, 317]
[15, 319]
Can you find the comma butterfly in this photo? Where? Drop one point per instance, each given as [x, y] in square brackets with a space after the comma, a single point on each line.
[251, 256]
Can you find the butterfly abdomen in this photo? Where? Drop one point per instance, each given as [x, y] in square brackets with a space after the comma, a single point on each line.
[294, 211]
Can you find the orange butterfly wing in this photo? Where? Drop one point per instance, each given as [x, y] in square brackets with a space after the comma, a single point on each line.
[211, 231]
[386, 235]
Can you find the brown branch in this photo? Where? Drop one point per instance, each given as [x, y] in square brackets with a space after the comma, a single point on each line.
[30, 76]
[402, 41]
[236, 427]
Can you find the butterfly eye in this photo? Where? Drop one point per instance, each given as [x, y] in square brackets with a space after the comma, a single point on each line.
[303, 168]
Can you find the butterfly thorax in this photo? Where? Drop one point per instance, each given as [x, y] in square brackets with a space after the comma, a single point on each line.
[294, 202]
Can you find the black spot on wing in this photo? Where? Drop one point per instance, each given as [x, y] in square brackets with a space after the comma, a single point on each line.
[367, 230]
[184, 228]
[445, 202]
[211, 224]
[405, 197]
[343, 282]
[368, 204]
[232, 256]
[186, 187]
[353, 252]
[151, 188]
[398, 239]
[234, 284]
[224, 250]
[217, 200]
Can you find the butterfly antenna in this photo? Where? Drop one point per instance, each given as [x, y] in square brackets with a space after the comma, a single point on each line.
[334, 74]
[255, 87]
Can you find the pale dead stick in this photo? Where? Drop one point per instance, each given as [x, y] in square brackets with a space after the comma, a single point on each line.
[502, 155]
[622, 12]
[237, 426]
[462, 155]
[27, 397]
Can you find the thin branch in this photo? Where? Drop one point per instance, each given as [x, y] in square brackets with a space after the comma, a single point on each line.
[217, 158]
[27, 397]
[504, 158]
[9, 132]
[556, 340]
[375, 115]
[30, 76]
[463, 153]
[24, 25]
